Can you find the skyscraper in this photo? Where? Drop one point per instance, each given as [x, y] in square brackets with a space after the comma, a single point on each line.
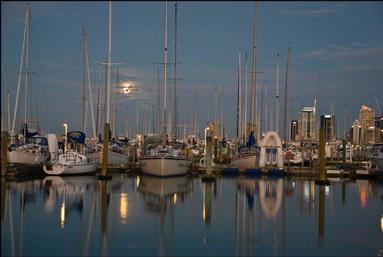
[294, 126]
[307, 123]
[327, 123]
[366, 118]
[356, 130]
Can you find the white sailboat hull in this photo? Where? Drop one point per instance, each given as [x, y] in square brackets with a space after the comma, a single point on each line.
[23, 157]
[65, 169]
[113, 157]
[244, 161]
[164, 166]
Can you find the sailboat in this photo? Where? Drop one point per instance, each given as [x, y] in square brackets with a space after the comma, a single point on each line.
[71, 161]
[164, 160]
[246, 155]
[117, 158]
[33, 150]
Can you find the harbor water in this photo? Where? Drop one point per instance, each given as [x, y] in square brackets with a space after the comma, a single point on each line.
[149, 216]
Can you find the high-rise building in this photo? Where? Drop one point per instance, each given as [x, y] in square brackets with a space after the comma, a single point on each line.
[356, 131]
[294, 130]
[366, 118]
[379, 128]
[307, 124]
[327, 123]
[378, 122]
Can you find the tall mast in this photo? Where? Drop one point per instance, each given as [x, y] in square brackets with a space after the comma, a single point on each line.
[115, 119]
[175, 71]
[90, 97]
[286, 92]
[8, 112]
[26, 74]
[98, 109]
[127, 122]
[165, 64]
[261, 116]
[21, 67]
[238, 97]
[240, 94]
[83, 78]
[277, 99]
[222, 121]
[107, 120]
[215, 110]
[245, 112]
[158, 103]
[137, 119]
[254, 86]
[154, 117]
[195, 113]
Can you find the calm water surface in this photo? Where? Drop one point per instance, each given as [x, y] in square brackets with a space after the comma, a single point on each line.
[143, 215]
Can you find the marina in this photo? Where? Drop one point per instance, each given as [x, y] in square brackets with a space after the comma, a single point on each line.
[164, 129]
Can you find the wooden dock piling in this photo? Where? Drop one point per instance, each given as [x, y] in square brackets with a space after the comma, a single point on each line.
[105, 153]
[5, 139]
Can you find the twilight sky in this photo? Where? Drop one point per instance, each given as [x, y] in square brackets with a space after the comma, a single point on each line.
[342, 41]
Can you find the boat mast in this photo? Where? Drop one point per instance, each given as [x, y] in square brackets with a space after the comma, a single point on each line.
[238, 96]
[86, 68]
[83, 79]
[215, 110]
[245, 112]
[286, 92]
[261, 116]
[107, 120]
[98, 109]
[277, 99]
[8, 111]
[175, 72]
[254, 86]
[222, 125]
[195, 113]
[21, 67]
[107, 126]
[115, 119]
[165, 67]
[158, 102]
[26, 76]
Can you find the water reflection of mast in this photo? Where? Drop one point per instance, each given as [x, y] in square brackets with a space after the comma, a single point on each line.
[3, 198]
[284, 225]
[157, 192]
[162, 217]
[21, 224]
[245, 221]
[7, 202]
[90, 225]
[104, 247]
[343, 192]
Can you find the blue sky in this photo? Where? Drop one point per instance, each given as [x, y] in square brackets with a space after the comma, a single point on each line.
[343, 41]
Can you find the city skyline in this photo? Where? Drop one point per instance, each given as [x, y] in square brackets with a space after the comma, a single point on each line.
[340, 41]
